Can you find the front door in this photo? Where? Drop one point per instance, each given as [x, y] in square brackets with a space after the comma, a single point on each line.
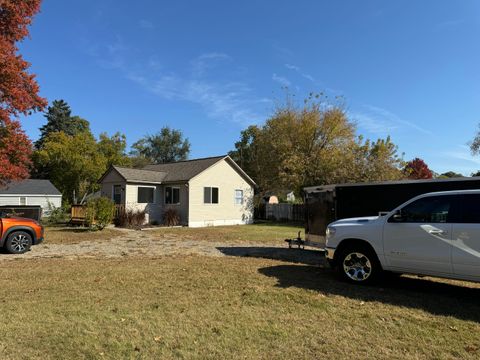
[419, 239]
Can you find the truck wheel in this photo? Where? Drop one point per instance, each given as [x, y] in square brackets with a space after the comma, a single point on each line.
[18, 242]
[359, 265]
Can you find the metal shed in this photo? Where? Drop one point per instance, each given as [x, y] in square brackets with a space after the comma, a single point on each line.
[325, 204]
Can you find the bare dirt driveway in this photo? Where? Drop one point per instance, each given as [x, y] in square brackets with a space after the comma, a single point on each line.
[115, 243]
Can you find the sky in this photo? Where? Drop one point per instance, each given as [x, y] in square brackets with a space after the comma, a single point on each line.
[408, 69]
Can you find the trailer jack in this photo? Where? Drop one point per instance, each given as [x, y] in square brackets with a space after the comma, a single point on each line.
[296, 241]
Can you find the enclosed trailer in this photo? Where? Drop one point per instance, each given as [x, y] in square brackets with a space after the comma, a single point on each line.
[325, 204]
[26, 211]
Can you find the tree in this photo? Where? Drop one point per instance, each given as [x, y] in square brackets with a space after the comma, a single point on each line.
[312, 144]
[15, 150]
[18, 89]
[246, 153]
[75, 163]
[166, 146]
[417, 169]
[376, 161]
[113, 149]
[59, 118]
[449, 175]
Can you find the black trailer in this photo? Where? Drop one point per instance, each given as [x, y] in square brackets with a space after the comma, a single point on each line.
[325, 204]
[26, 211]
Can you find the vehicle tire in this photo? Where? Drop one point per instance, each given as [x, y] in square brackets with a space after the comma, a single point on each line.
[18, 242]
[358, 264]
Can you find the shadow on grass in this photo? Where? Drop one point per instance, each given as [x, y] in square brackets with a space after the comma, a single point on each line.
[437, 298]
[72, 229]
[309, 257]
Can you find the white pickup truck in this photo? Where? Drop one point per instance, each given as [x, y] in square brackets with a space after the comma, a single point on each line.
[436, 234]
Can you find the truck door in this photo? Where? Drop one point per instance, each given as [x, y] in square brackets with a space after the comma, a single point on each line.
[418, 238]
[466, 237]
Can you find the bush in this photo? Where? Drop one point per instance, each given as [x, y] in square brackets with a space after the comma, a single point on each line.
[99, 213]
[57, 215]
[131, 218]
[171, 217]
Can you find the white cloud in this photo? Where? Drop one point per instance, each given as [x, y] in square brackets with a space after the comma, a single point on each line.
[373, 124]
[300, 72]
[281, 80]
[207, 61]
[384, 115]
[222, 98]
[146, 24]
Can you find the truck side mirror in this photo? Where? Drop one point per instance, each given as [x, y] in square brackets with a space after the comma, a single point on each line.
[398, 216]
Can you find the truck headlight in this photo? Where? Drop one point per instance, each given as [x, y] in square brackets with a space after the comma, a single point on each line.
[330, 232]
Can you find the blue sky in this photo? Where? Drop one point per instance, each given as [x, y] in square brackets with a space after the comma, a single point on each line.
[409, 69]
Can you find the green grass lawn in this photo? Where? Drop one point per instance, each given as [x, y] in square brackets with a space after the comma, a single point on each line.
[263, 232]
[227, 307]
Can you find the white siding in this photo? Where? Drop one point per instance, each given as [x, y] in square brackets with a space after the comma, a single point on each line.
[226, 212]
[42, 200]
[111, 179]
[152, 210]
[182, 207]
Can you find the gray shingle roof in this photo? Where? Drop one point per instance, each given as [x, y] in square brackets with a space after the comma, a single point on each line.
[181, 171]
[30, 187]
[138, 175]
[184, 170]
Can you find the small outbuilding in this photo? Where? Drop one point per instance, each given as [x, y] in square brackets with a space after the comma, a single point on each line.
[31, 192]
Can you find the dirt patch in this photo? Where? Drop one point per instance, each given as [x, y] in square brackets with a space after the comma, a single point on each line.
[131, 243]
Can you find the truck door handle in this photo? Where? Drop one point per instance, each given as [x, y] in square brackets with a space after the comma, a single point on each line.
[438, 232]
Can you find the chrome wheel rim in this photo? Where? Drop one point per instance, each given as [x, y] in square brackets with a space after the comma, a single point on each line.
[357, 266]
[19, 243]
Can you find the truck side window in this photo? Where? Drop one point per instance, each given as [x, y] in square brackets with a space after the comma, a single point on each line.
[433, 209]
[468, 209]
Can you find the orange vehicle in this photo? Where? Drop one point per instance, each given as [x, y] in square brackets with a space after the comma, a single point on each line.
[17, 234]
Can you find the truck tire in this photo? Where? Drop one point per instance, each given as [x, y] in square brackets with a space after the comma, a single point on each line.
[358, 264]
[18, 242]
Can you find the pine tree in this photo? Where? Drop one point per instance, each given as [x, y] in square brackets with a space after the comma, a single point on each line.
[59, 118]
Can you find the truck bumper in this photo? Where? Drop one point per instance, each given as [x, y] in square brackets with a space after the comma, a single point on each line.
[329, 253]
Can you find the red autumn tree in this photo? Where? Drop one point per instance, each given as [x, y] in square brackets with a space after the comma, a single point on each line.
[417, 169]
[18, 89]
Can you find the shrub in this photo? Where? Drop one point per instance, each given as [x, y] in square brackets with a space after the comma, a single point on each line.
[171, 217]
[99, 212]
[57, 215]
[130, 218]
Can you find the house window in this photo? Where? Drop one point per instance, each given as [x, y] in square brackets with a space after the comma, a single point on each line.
[23, 200]
[210, 195]
[117, 194]
[145, 195]
[238, 197]
[172, 195]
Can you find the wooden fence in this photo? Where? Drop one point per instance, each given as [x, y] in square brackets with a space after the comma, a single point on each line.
[77, 213]
[280, 212]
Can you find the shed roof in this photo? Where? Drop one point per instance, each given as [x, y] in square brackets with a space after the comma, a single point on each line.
[29, 187]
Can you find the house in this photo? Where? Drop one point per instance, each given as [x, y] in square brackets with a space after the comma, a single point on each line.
[31, 192]
[204, 192]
